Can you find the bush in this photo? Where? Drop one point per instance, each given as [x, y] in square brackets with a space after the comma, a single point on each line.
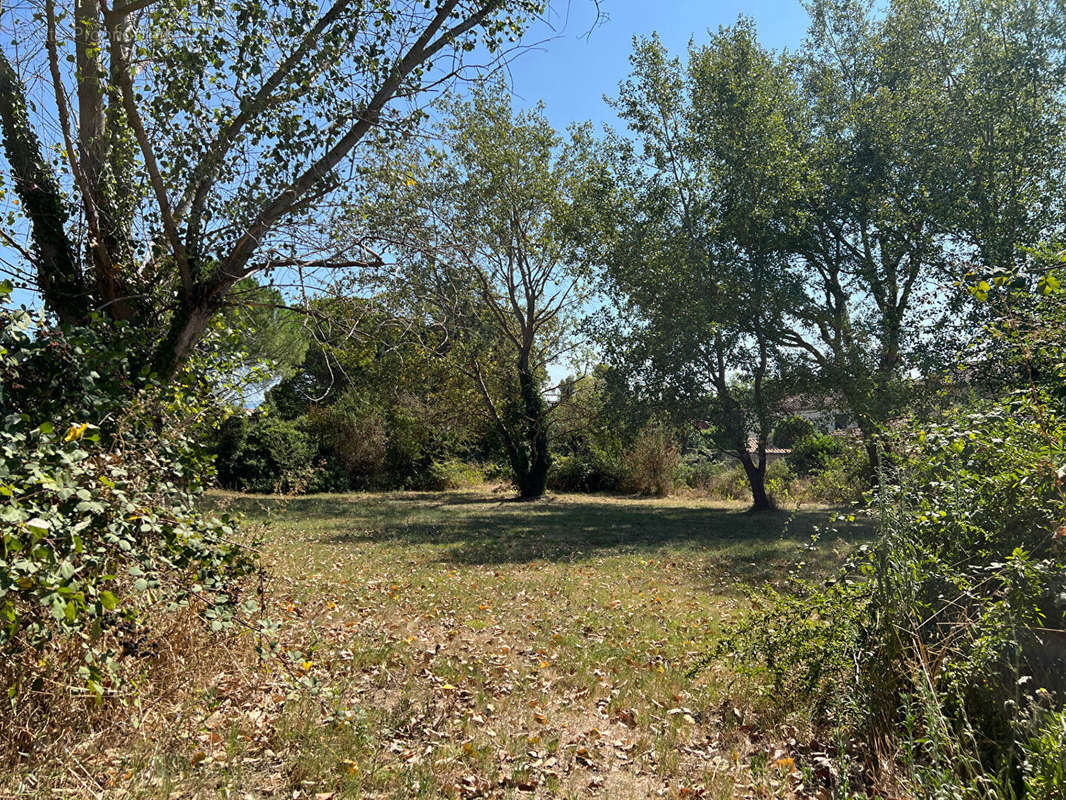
[791, 430]
[651, 462]
[813, 453]
[696, 471]
[583, 472]
[355, 440]
[779, 479]
[265, 454]
[842, 480]
[938, 642]
[1045, 757]
[101, 526]
[719, 480]
[450, 473]
[933, 634]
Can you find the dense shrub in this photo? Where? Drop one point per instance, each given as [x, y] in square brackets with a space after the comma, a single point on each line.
[651, 463]
[726, 479]
[935, 633]
[727, 482]
[842, 479]
[1045, 755]
[265, 454]
[789, 431]
[584, 472]
[100, 475]
[812, 453]
[942, 641]
[355, 440]
[779, 479]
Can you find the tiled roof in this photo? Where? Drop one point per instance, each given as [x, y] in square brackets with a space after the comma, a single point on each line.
[753, 447]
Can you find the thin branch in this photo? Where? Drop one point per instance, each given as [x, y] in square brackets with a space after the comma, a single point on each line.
[206, 171]
[134, 116]
[423, 49]
[22, 251]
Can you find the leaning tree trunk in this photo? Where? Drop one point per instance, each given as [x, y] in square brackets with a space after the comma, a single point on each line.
[880, 456]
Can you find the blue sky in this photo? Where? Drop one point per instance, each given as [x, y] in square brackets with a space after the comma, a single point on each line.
[571, 73]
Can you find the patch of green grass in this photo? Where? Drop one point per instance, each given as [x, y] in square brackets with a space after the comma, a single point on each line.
[480, 528]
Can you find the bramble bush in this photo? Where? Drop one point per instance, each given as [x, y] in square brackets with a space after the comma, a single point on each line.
[100, 473]
[942, 641]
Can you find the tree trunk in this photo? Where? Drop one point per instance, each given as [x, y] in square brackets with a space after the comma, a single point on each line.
[54, 257]
[187, 326]
[533, 479]
[757, 480]
[873, 456]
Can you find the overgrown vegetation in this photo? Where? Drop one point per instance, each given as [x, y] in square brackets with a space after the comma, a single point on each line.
[780, 279]
[943, 641]
[103, 534]
[454, 644]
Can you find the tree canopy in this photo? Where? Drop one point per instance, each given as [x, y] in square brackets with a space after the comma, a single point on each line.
[201, 143]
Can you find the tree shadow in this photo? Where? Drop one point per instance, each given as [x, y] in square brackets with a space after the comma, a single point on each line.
[476, 529]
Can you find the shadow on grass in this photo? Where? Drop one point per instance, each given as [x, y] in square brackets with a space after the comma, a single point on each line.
[482, 529]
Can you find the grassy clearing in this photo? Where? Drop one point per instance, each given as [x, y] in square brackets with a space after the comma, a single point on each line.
[463, 645]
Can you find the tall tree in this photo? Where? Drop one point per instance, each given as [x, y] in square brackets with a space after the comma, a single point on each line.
[201, 143]
[480, 227]
[706, 188]
[936, 136]
[873, 242]
[1004, 68]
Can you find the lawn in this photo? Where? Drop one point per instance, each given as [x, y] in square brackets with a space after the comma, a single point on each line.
[465, 645]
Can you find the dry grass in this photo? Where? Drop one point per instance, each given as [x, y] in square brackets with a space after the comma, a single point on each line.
[461, 645]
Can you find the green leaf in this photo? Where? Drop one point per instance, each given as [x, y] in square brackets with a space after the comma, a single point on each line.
[38, 526]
